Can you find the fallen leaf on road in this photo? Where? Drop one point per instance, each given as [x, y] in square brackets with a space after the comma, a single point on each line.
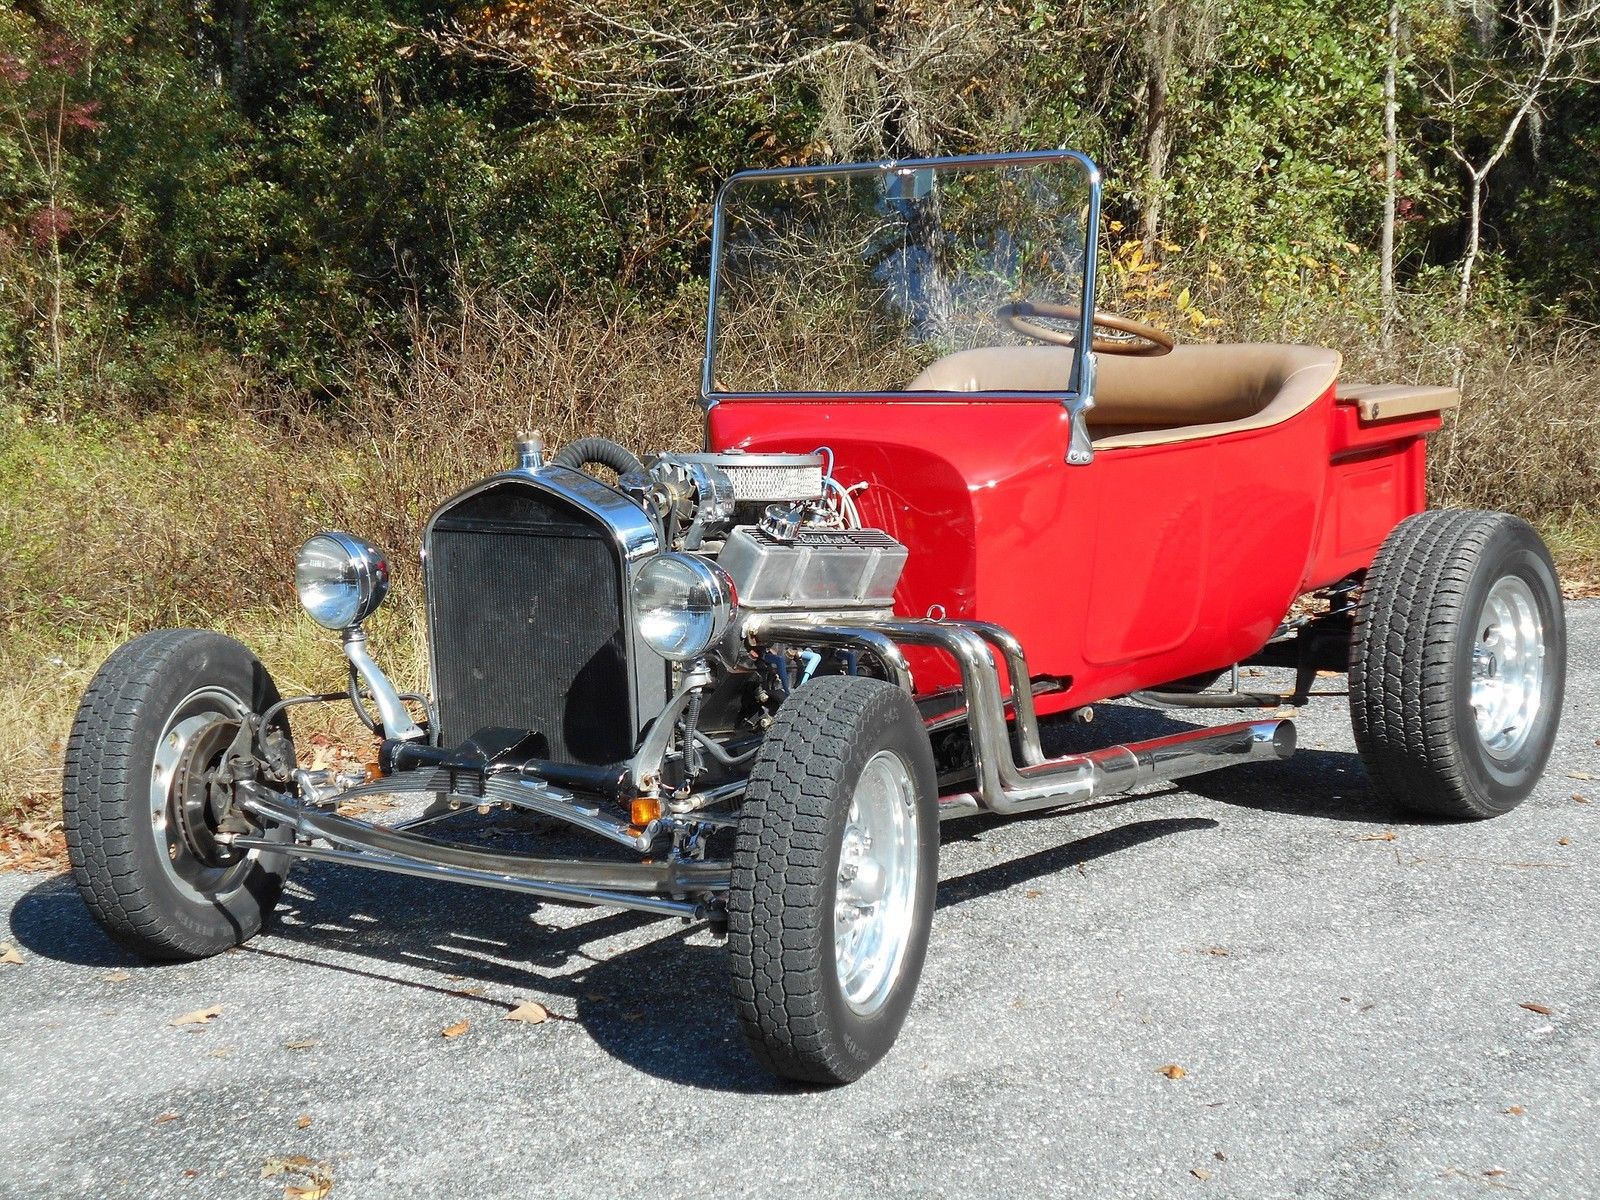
[1515, 1110]
[303, 1121]
[199, 1016]
[1219, 1156]
[1579, 775]
[221, 1052]
[1495, 1171]
[288, 1164]
[471, 991]
[8, 954]
[633, 1016]
[316, 1176]
[164, 1118]
[116, 977]
[530, 1012]
[1032, 894]
[1579, 798]
[456, 1030]
[1386, 836]
[1566, 841]
[1544, 1010]
[1216, 951]
[1200, 1173]
[302, 1044]
[1173, 1071]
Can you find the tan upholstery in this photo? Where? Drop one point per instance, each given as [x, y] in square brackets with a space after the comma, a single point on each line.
[1196, 391]
[1384, 401]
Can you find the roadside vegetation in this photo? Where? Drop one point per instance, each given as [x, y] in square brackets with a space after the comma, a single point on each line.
[273, 265]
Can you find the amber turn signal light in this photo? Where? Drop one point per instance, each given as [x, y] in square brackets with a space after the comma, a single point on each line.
[645, 810]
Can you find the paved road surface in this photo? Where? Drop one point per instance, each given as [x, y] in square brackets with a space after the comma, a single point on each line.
[1347, 1012]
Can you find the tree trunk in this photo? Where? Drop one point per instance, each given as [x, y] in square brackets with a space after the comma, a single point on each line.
[1157, 136]
[1390, 183]
[1469, 259]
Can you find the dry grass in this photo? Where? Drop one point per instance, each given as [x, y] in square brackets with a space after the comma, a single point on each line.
[191, 518]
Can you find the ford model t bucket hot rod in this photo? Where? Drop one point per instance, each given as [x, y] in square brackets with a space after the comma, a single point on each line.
[941, 498]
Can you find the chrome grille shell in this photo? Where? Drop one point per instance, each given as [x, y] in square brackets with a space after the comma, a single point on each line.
[503, 648]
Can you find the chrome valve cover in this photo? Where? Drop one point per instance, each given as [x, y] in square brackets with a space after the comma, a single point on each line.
[815, 569]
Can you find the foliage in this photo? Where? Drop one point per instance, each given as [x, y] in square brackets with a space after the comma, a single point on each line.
[196, 198]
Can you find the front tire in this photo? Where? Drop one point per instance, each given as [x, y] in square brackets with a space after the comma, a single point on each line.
[140, 824]
[1458, 664]
[834, 873]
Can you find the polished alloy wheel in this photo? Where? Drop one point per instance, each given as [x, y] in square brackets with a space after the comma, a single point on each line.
[1508, 662]
[877, 883]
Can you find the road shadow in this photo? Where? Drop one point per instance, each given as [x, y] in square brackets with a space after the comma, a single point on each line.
[659, 1004]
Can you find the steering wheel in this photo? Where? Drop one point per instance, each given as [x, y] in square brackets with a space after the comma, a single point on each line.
[1141, 339]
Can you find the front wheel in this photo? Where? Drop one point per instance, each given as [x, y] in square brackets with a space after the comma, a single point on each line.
[1457, 664]
[139, 811]
[834, 873]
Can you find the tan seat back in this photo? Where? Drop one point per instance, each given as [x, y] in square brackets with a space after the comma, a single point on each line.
[1195, 391]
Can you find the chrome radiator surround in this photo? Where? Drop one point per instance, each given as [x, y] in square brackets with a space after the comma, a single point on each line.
[515, 621]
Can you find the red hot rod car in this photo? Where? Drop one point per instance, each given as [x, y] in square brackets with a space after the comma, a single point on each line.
[940, 498]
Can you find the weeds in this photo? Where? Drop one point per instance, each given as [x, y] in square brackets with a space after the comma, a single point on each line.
[113, 525]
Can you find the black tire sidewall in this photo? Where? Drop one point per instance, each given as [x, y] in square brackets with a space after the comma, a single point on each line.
[226, 919]
[1499, 785]
[866, 1039]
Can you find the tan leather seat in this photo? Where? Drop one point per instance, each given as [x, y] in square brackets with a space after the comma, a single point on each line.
[1196, 391]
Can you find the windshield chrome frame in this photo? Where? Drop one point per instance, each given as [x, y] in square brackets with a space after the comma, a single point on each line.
[1077, 399]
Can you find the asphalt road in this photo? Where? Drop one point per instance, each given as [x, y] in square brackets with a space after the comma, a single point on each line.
[1348, 1013]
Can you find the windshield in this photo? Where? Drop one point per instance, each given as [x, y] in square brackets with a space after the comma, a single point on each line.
[860, 279]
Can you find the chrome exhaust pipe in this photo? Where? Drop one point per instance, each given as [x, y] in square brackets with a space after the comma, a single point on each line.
[1096, 773]
[1003, 785]
[1192, 752]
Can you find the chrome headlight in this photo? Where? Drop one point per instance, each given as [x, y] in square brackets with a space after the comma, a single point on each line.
[682, 605]
[341, 579]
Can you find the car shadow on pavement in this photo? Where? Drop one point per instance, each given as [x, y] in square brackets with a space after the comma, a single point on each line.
[629, 978]
[660, 1005]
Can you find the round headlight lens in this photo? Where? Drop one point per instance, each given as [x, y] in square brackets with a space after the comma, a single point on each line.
[682, 605]
[341, 579]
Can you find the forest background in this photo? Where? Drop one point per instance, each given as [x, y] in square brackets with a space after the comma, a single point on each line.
[273, 265]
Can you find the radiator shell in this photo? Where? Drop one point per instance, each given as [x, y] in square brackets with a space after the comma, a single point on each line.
[529, 627]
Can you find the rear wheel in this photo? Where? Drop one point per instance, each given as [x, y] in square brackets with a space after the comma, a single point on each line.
[1458, 663]
[139, 811]
[834, 874]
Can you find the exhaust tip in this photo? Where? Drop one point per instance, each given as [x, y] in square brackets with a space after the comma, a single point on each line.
[1284, 739]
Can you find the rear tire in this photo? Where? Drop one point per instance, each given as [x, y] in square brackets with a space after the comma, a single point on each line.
[1458, 664]
[139, 823]
[834, 872]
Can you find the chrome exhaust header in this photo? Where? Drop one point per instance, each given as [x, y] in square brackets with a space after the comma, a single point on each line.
[1001, 783]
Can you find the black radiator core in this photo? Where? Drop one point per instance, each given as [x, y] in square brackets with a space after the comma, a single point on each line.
[526, 617]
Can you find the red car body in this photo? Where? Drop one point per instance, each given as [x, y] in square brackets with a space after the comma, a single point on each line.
[1148, 565]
